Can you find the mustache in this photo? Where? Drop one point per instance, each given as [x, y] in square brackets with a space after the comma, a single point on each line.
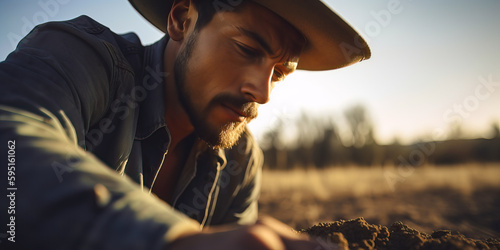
[248, 109]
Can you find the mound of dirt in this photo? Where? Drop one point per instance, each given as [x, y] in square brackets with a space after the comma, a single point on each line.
[359, 234]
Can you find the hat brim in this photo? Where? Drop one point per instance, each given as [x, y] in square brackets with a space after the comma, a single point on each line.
[331, 42]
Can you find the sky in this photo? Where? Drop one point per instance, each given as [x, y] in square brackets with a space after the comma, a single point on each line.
[433, 64]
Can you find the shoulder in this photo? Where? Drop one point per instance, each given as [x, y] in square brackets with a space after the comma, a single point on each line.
[246, 155]
[246, 147]
[81, 27]
[78, 26]
[83, 23]
[81, 33]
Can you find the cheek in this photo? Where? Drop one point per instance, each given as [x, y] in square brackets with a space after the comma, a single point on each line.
[216, 69]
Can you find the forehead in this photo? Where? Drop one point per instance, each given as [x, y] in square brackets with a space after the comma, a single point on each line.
[254, 18]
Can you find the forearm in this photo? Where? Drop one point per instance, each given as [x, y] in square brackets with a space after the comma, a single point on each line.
[67, 199]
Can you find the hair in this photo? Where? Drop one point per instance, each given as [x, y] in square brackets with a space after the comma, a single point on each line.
[207, 9]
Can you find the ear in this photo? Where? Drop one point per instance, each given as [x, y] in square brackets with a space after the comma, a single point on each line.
[178, 19]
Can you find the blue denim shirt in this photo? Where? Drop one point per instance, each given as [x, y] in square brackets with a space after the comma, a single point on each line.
[85, 110]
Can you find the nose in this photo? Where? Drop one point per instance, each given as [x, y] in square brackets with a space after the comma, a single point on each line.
[258, 85]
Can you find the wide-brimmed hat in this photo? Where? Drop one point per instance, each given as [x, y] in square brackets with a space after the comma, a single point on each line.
[331, 42]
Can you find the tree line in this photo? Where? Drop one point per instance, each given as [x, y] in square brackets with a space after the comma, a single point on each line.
[319, 144]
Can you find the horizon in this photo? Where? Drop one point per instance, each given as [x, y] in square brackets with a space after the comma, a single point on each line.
[433, 64]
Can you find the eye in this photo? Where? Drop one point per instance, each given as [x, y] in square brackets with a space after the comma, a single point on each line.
[247, 51]
[278, 75]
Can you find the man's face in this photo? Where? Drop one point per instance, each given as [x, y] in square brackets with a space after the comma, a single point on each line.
[229, 67]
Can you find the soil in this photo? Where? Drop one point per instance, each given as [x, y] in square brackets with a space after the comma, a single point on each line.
[359, 234]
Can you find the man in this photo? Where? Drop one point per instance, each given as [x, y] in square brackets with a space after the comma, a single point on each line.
[172, 116]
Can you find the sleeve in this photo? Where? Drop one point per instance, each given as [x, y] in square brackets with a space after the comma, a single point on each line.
[52, 88]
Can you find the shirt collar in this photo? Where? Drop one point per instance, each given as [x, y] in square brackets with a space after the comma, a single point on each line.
[219, 154]
[151, 84]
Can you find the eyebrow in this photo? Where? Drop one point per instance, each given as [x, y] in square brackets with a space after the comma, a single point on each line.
[290, 66]
[262, 42]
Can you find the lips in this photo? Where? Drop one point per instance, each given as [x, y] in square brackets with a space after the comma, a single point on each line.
[232, 108]
[234, 113]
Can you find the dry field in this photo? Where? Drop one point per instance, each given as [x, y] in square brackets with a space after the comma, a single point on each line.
[464, 198]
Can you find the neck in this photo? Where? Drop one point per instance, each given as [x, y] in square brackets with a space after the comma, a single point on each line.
[175, 115]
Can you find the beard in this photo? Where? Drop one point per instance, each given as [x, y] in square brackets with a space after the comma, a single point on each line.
[224, 136]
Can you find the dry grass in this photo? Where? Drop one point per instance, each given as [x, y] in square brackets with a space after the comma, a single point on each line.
[465, 198]
[359, 181]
